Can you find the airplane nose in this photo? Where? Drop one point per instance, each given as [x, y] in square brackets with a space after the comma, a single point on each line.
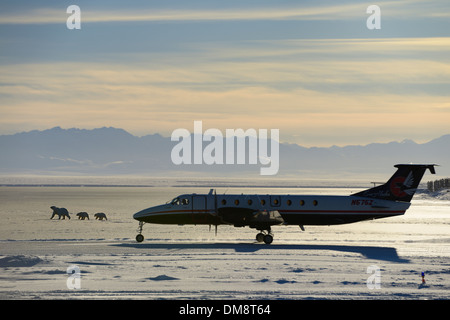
[150, 215]
[139, 215]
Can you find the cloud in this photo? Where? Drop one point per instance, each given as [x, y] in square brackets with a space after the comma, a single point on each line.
[240, 12]
[50, 15]
[144, 101]
[160, 78]
[296, 86]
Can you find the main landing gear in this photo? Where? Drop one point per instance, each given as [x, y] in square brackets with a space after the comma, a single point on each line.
[265, 235]
[140, 237]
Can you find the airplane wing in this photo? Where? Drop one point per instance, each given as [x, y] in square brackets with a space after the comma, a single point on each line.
[239, 216]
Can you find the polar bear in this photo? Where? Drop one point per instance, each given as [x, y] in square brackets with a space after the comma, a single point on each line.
[100, 216]
[60, 212]
[83, 215]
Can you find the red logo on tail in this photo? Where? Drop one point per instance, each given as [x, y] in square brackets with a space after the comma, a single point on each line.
[396, 187]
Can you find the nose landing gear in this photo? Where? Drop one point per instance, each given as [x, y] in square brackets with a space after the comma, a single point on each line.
[140, 237]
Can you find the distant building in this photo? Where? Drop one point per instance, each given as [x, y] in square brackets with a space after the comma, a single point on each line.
[437, 185]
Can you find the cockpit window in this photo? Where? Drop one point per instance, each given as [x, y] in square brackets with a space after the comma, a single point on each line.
[179, 201]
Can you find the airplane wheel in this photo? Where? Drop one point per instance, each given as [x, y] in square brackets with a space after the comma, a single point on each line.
[268, 239]
[139, 238]
[260, 237]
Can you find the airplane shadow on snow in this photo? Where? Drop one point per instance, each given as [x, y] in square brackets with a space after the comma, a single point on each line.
[369, 252]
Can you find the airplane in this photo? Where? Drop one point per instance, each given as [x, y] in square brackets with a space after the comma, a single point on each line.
[261, 212]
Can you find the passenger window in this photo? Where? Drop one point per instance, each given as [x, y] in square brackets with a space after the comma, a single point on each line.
[249, 202]
[236, 202]
[289, 202]
[224, 202]
[263, 202]
[302, 202]
[315, 202]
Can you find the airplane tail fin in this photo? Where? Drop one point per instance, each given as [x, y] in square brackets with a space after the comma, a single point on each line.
[402, 185]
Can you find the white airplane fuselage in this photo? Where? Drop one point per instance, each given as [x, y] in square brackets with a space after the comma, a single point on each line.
[264, 211]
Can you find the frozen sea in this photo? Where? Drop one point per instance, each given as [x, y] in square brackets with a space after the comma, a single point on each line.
[191, 262]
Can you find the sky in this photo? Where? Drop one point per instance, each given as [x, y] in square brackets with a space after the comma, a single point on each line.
[312, 69]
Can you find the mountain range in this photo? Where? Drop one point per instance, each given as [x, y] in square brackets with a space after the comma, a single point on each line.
[113, 151]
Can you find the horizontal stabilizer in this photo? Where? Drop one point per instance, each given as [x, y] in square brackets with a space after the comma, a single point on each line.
[402, 185]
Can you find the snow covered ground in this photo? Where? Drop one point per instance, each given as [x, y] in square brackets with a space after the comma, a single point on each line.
[381, 259]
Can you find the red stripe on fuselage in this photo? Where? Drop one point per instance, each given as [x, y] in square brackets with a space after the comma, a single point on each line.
[341, 211]
[293, 211]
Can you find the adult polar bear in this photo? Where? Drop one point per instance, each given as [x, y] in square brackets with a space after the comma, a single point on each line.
[60, 212]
